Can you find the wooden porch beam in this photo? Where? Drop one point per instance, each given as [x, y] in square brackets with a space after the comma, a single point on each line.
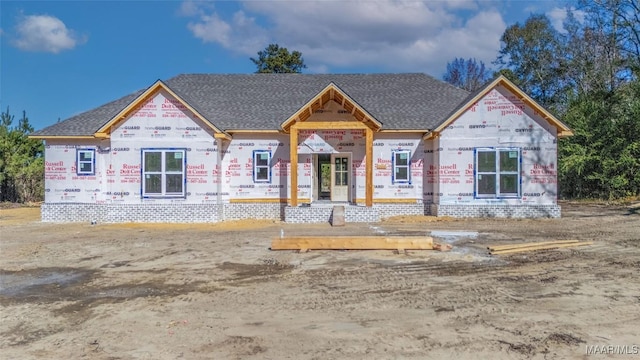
[293, 155]
[368, 168]
[329, 125]
[222, 135]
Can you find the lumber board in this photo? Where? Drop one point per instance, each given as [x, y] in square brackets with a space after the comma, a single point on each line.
[517, 246]
[541, 247]
[329, 125]
[353, 243]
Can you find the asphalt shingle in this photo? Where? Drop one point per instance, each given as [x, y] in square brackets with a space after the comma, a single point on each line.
[264, 101]
[88, 122]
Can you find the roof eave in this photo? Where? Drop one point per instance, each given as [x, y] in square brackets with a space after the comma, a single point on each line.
[61, 137]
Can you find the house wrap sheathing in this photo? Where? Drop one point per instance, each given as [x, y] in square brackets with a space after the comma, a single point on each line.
[209, 148]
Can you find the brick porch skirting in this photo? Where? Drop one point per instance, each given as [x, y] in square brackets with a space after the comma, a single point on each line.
[159, 213]
[497, 211]
[121, 213]
[211, 213]
[353, 213]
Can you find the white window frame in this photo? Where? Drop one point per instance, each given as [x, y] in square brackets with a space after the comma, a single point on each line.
[395, 166]
[163, 173]
[498, 173]
[79, 161]
[256, 167]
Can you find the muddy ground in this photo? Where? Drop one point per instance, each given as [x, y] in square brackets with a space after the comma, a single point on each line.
[74, 291]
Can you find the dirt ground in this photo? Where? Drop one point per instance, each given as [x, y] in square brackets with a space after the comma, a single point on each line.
[133, 291]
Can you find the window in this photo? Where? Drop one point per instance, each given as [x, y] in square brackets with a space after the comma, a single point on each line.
[401, 166]
[261, 169]
[86, 161]
[163, 172]
[498, 172]
[341, 171]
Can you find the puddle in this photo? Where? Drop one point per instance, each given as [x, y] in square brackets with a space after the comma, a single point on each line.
[454, 235]
[377, 229]
[71, 284]
[32, 282]
[459, 239]
[462, 243]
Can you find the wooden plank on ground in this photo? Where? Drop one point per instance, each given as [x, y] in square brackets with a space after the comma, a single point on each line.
[540, 247]
[516, 246]
[353, 243]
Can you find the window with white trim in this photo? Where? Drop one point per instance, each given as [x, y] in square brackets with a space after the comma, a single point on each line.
[497, 172]
[86, 161]
[401, 163]
[261, 168]
[163, 172]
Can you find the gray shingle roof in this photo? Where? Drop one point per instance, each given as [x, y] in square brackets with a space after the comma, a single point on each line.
[264, 101]
[88, 122]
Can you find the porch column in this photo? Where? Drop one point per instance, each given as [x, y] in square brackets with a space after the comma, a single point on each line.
[293, 149]
[219, 179]
[369, 167]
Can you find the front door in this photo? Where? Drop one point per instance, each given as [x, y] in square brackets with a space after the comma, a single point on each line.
[339, 177]
[323, 177]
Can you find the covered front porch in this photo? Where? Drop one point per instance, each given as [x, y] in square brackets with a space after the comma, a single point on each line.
[331, 153]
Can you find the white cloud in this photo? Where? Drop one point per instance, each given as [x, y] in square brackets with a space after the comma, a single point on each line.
[211, 29]
[188, 8]
[389, 35]
[44, 33]
[240, 33]
[557, 16]
[479, 38]
[193, 8]
[461, 4]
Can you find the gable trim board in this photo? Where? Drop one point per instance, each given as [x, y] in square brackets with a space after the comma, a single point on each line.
[378, 127]
[331, 92]
[563, 130]
[154, 89]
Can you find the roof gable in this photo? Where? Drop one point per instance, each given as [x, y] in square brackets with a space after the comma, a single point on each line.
[105, 130]
[562, 129]
[331, 96]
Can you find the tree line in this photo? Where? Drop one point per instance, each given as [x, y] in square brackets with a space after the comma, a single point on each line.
[587, 75]
[21, 161]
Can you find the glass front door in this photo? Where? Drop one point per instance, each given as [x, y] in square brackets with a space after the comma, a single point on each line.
[324, 177]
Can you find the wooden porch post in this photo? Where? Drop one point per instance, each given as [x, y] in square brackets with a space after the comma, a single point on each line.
[293, 149]
[369, 167]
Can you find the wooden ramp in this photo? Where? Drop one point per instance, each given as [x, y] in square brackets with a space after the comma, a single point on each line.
[304, 243]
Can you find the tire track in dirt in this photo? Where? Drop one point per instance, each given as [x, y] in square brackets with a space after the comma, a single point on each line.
[414, 286]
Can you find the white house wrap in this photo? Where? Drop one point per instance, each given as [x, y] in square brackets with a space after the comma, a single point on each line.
[207, 148]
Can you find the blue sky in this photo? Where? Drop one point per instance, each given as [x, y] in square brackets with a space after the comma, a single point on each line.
[60, 58]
